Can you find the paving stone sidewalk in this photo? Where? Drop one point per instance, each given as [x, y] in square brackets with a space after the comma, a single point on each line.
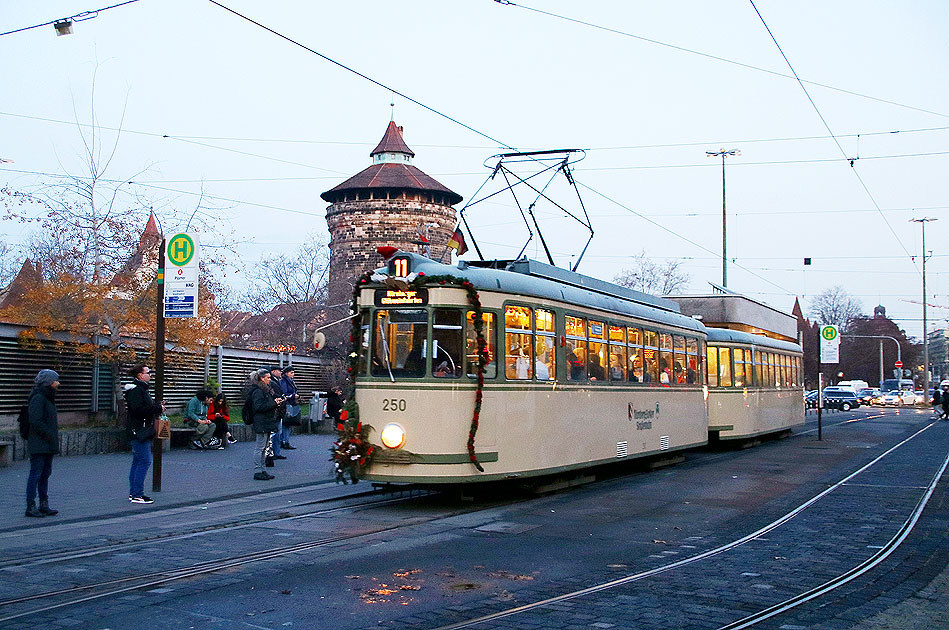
[96, 486]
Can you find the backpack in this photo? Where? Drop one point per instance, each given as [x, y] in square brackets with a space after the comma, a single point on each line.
[24, 421]
[247, 411]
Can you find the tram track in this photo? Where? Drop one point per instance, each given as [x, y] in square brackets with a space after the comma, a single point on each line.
[269, 517]
[126, 584]
[829, 585]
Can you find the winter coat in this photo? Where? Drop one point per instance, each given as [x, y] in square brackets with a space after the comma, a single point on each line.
[195, 411]
[142, 411]
[213, 411]
[277, 387]
[44, 426]
[265, 407]
[334, 405]
[289, 390]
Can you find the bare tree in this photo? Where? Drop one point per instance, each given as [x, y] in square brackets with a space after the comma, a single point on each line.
[835, 306]
[9, 263]
[663, 278]
[296, 284]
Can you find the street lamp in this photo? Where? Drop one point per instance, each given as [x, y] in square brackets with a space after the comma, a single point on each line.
[723, 153]
[922, 223]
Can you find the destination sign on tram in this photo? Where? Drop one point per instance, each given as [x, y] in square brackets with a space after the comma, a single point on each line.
[398, 297]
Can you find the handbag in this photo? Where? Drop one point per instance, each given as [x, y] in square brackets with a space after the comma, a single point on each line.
[162, 428]
[293, 419]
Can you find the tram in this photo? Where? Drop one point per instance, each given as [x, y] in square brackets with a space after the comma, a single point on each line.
[755, 384]
[576, 373]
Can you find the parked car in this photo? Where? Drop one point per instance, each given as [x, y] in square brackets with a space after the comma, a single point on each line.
[877, 398]
[905, 398]
[810, 399]
[866, 394]
[840, 398]
[892, 399]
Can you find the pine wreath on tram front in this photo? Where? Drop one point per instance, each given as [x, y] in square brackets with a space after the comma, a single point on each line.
[353, 451]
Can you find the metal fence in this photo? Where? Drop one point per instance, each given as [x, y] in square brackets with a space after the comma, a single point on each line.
[86, 386]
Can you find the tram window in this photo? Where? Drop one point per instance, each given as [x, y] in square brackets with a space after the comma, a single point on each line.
[738, 356]
[617, 353]
[518, 346]
[712, 366]
[400, 343]
[678, 359]
[576, 329]
[759, 374]
[724, 367]
[597, 354]
[364, 322]
[471, 346]
[665, 359]
[692, 361]
[702, 366]
[769, 358]
[799, 377]
[446, 343]
[749, 367]
[651, 356]
[545, 347]
[634, 355]
[786, 360]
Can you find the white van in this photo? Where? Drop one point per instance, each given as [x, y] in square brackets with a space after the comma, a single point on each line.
[854, 385]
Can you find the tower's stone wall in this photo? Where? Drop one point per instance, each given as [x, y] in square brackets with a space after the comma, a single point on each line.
[358, 226]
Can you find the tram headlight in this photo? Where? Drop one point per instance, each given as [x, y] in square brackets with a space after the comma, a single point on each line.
[393, 436]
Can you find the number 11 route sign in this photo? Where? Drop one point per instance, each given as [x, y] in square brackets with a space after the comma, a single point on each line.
[182, 253]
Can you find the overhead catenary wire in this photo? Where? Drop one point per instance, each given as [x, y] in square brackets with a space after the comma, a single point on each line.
[829, 130]
[714, 57]
[85, 15]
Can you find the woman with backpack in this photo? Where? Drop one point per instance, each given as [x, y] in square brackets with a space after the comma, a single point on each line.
[43, 441]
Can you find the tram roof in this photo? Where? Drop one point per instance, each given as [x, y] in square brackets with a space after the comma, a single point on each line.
[535, 279]
[725, 335]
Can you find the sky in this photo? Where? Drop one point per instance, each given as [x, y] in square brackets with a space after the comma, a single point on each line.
[210, 103]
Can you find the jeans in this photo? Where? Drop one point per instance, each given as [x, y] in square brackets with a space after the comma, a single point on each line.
[284, 435]
[141, 460]
[276, 438]
[41, 466]
[261, 450]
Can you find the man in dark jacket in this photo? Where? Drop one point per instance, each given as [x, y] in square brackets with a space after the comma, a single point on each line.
[265, 420]
[142, 412]
[276, 376]
[43, 441]
[334, 405]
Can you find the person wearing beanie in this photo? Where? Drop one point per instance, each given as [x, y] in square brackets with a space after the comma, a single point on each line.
[43, 442]
[276, 376]
[264, 405]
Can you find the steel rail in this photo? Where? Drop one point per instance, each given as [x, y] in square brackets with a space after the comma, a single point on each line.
[853, 573]
[693, 559]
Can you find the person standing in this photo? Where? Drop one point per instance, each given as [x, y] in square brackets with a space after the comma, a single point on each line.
[945, 402]
[196, 417]
[142, 413]
[43, 441]
[292, 409]
[276, 376]
[334, 405]
[264, 407]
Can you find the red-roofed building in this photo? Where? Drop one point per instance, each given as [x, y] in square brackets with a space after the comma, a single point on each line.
[391, 202]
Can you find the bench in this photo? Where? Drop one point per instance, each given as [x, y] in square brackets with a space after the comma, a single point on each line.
[6, 453]
[180, 437]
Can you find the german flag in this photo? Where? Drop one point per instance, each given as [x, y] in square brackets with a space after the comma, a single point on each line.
[457, 242]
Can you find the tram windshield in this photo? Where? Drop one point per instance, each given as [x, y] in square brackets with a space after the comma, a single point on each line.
[400, 346]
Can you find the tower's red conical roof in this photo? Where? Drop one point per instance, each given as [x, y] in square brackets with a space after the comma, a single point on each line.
[392, 141]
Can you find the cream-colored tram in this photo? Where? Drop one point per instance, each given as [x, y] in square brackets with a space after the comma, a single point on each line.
[755, 384]
[580, 372]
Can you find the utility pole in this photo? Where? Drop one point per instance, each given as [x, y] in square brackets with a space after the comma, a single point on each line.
[159, 364]
[922, 223]
[724, 153]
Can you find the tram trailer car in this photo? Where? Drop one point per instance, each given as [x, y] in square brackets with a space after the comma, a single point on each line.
[755, 384]
[581, 372]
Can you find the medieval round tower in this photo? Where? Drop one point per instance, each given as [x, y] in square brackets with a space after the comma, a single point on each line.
[390, 203]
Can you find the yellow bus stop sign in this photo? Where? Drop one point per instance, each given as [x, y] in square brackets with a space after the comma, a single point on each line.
[180, 250]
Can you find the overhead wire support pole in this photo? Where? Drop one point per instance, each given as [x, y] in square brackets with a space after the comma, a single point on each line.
[723, 153]
[923, 221]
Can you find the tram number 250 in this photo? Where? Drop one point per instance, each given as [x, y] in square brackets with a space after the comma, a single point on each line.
[393, 404]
